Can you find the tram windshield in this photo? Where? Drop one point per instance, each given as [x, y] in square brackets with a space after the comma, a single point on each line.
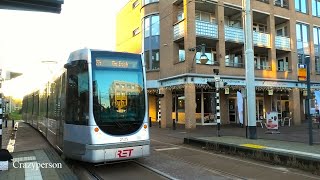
[118, 92]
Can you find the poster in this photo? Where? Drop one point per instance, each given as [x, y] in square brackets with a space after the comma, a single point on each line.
[272, 120]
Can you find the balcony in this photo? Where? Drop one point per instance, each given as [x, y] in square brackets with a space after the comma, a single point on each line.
[178, 30]
[234, 34]
[281, 3]
[261, 39]
[206, 29]
[282, 43]
[203, 29]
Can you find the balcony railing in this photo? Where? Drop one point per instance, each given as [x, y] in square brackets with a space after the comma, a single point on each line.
[206, 29]
[261, 67]
[178, 30]
[234, 64]
[234, 34]
[261, 39]
[282, 3]
[265, 1]
[284, 69]
[282, 43]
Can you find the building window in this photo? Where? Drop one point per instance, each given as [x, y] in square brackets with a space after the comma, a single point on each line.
[234, 60]
[303, 50]
[211, 54]
[282, 30]
[301, 5]
[261, 62]
[283, 64]
[316, 8]
[135, 32]
[155, 25]
[316, 41]
[259, 27]
[147, 27]
[281, 3]
[135, 4]
[180, 16]
[152, 41]
[182, 55]
[145, 2]
[205, 16]
[155, 59]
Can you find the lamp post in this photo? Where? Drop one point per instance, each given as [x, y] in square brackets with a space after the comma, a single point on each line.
[307, 61]
[203, 57]
[249, 63]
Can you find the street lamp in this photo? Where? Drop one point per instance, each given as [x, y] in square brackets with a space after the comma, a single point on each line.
[203, 57]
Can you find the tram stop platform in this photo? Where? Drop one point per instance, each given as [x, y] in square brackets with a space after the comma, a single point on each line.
[290, 147]
[33, 157]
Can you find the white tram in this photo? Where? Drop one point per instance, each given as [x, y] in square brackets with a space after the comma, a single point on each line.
[96, 110]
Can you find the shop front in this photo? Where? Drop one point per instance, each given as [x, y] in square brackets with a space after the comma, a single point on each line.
[190, 101]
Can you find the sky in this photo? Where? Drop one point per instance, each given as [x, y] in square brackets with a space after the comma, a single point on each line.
[28, 39]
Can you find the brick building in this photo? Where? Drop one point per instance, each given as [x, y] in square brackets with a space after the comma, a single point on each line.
[285, 34]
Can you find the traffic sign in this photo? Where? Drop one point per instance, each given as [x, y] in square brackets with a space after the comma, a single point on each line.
[302, 72]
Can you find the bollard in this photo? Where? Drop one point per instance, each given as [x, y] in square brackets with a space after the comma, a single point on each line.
[12, 123]
[159, 123]
[150, 123]
[6, 124]
[174, 124]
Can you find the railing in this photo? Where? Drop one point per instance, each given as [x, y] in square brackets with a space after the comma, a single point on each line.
[282, 3]
[234, 34]
[282, 43]
[261, 39]
[178, 30]
[283, 69]
[260, 67]
[206, 29]
[233, 64]
[265, 1]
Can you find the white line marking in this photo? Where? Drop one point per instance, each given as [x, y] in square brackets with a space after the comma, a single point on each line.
[166, 149]
[226, 157]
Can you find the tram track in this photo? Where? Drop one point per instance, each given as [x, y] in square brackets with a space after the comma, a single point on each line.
[114, 170]
[229, 158]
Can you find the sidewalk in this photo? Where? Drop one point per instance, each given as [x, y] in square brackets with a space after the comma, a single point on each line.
[290, 147]
[33, 156]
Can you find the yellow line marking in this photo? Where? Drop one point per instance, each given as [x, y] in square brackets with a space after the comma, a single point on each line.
[255, 146]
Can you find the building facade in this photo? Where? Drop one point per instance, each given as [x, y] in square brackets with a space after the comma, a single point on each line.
[168, 32]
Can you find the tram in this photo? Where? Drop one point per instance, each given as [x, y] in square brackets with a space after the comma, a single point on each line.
[96, 109]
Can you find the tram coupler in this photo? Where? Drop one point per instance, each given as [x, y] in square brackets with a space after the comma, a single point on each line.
[218, 130]
[174, 127]
[150, 123]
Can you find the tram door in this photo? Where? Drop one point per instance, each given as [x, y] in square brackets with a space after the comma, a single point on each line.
[232, 110]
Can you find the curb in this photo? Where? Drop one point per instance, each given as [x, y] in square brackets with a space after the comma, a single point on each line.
[271, 155]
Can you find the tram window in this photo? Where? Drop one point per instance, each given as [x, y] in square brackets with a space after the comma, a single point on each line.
[77, 95]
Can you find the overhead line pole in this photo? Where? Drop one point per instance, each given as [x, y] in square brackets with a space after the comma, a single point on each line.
[250, 78]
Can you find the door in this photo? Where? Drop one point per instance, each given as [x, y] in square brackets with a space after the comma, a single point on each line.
[232, 110]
